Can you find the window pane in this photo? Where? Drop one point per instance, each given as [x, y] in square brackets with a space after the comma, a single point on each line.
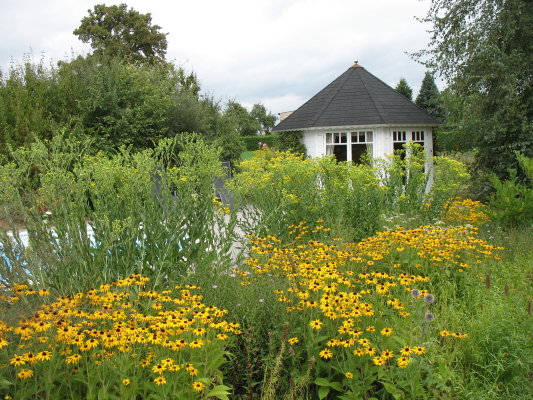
[329, 138]
[354, 137]
[343, 138]
[369, 138]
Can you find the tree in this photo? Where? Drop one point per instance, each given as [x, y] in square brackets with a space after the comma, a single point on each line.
[429, 97]
[265, 119]
[483, 48]
[246, 125]
[115, 31]
[404, 89]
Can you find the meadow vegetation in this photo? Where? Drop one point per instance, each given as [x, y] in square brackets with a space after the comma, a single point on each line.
[325, 280]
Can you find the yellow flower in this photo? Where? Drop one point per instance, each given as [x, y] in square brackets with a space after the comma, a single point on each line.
[196, 344]
[326, 354]
[359, 352]
[316, 324]
[198, 386]
[30, 358]
[25, 373]
[44, 356]
[293, 340]
[403, 362]
[160, 380]
[17, 360]
[73, 359]
[126, 382]
[159, 368]
[167, 362]
[348, 375]
[386, 354]
[379, 360]
[387, 331]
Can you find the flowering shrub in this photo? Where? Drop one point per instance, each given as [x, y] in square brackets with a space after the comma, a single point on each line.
[117, 341]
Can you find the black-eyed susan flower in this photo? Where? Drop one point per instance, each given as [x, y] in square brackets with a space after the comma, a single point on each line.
[198, 386]
[17, 360]
[293, 340]
[160, 380]
[196, 344]
[359, 352]
[348, 375]
[25, 373]
[387, 331]
[316, 324]
[378, 360]
[158, 368]
[73, 359]
[403, 362]
[371, 351]
[30, 358]
[126, 382]
[43, 355]
[326, 354]
[386, 354]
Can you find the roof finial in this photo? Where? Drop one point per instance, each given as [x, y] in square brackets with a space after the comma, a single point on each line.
[356, 62]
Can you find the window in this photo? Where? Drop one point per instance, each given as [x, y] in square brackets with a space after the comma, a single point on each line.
[349, 146]
[417, 137]
[399, 138]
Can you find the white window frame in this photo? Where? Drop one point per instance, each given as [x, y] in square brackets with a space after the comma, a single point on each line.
[361, 136]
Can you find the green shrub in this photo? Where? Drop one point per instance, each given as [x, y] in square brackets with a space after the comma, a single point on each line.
[291, 141]
[512, 202]
[251, 143]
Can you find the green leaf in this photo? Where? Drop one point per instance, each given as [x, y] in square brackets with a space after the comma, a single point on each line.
[322, 382]
[220, 392]
[337, 386]
[4, 383]
[391, 388]
[323, 392]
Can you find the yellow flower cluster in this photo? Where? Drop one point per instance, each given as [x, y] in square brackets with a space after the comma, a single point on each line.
[436, 246]
[358, 294]
[120, 319]
[465, 211]
[322, 282]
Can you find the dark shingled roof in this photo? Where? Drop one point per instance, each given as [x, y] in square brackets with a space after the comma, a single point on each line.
[356, 98]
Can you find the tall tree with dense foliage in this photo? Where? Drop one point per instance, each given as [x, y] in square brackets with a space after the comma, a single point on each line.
[484, 49]
[245, 124]
[116, 31]
[404, 89]
[265, 119]
[429, 97]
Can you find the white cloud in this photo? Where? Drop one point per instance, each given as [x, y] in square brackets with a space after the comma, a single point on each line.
[280, 52]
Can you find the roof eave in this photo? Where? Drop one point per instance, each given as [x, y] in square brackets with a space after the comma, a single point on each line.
[348, 127]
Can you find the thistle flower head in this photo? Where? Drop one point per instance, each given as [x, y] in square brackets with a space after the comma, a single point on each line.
[429, 298]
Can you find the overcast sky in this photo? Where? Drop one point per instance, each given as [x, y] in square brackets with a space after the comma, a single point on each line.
[277, 52]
